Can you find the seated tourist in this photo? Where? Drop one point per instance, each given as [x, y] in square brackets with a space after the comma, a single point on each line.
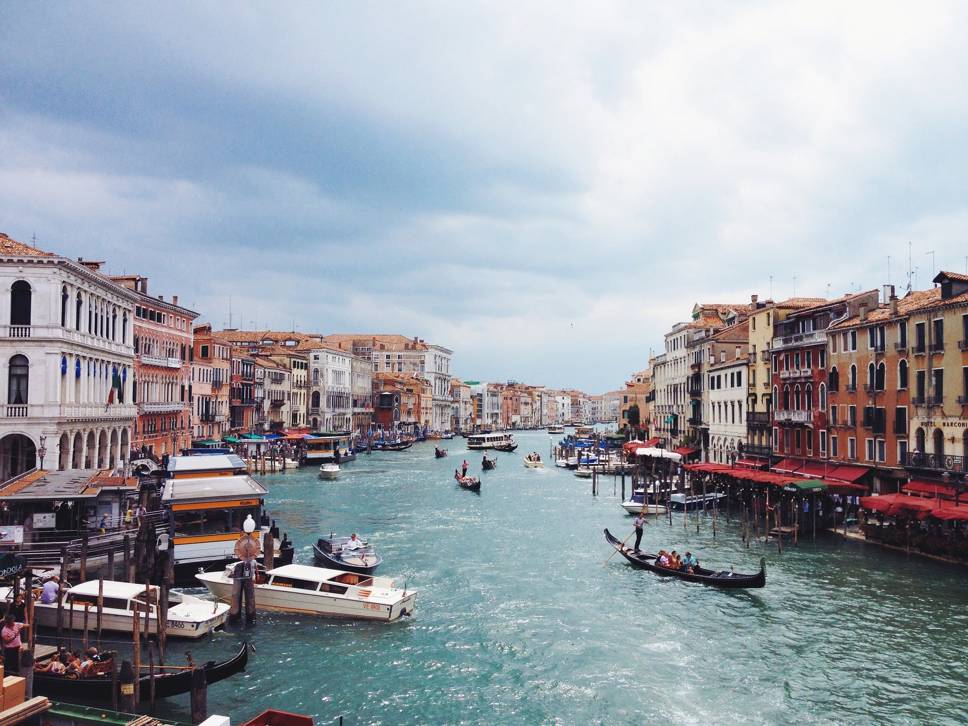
[674, 562]
[663, 558]
[689, 563]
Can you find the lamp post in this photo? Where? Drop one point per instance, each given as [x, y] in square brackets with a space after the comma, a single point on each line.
[731, 455]
[42, 450]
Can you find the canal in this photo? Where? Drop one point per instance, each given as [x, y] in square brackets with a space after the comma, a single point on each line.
[521, 620]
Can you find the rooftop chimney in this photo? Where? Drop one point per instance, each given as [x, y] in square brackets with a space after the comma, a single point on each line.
[863, 312]
[174, 299]
[892, 301]
[753, 299]
[887, 292]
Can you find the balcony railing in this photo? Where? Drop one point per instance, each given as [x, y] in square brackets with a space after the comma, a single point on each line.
[757, 450]
[217, 383]
[963, 400]
[160, 406]
[937, 347]
[918, 400]
[314, 411]
[901, 347]
[694, 421]
[15, 411]
[919, 349]
[938, 462]
[851, 388]
[963, 344]
[765, 355]
[791, 341]
[792, 416]
[758, 418]
[18, 331]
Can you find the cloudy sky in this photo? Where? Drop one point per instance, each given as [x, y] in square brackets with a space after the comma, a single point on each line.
[543, 187]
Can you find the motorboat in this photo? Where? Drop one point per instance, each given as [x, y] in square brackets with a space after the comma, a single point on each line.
[329, 471]
[572, 462]
[556, 429]
[321, 591]
[583, 472]
[681, 500]
[333, 553]
[188, 616]
[637, 503]
[561, 463]
[533, 461]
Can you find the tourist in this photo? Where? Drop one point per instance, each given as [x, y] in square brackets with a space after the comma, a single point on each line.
[639, 523]
[457, 475]
[10, 638]
[50, 591]
[103, 524]
[128, 516]
[353, 544]
[674, 562]
[663, 558]
[689, 563]
[463, 470]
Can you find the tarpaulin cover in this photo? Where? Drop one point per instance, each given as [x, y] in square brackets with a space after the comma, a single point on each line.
[934, 489]
[847, 473]
[786, 466]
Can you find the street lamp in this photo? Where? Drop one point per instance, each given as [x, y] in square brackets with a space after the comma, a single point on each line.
[731, 454]
[42, 451]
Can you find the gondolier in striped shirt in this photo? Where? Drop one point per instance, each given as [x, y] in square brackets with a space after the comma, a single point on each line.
[639, 523]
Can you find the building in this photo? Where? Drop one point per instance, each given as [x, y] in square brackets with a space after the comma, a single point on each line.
[361, 389]
[403, 401]
[69, 358]
[331, 394]
[241, 392]
[463, 418]
[635, 406]
[277, 384]
[211, 407]
[725, 393]
[163, 336]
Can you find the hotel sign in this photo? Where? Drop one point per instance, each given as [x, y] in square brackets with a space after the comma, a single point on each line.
[944, 423]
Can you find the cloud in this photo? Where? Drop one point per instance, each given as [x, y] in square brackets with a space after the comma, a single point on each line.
[545, 189]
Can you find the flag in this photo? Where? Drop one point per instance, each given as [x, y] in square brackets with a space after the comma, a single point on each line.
[115, 390]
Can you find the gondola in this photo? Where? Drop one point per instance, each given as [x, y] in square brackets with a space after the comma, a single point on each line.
[470, 483]
[488, 464]
[706, 577]
[327, 552]
[398, 446]
[439, 453]
[507, 448]
[96, 690]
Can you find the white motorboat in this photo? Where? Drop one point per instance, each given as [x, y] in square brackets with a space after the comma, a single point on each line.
[329, 471]
[583, 472]
[693, 501]
[556, 429]
[533, 461]
[572, 462]
[188, 616]
[633, 506]
[561, 463]
[320, 591]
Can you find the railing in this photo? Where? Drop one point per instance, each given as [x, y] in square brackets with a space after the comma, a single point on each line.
[765, 355]
[878, 348]
[206, 417]
[18, 331]
[901, 347]
[792, 416]
[918, 400]
[153, 360]
[97, 410]
[790, 341]
[919, 349]
[963, 400]
[277, 377]
[694, 421]
[757, 450]
[851, 388]
[314, 410]
[16, 411]
[935, 400]
[217, 383]
[938, 462]
[758, 418]
[937, 347]
[161, 406]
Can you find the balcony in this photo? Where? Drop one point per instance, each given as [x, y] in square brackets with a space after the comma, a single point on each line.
[15, 411]
[937, 347]
[936, 400]
[919, 349]
[963, 345]
[758, 418]
[878, 348]
[694, 421]
[792, 416]
[277, 378]
[918, 400]
[963, 400]
[314, 411]
[765, 355]
[160, 407]
[766, 385]
[901, 348]
[792, 341]
[18, 331]
[937, 462]
[160, 361]
[851, 388]
[756, 450]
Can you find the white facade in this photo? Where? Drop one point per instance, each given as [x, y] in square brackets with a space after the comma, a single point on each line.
[437, 371]
[726, 412]
[671, 370]
[361, 387]
[66, 335]
[331, 381]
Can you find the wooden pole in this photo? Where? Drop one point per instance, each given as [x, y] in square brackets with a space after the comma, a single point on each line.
[126, 562]
[161, 622]
[111, 564]
[87, 608]
[151, 678]
[129, 686]
[199, 696]
[84, 545]
[269, 550]
[136, 651]
[27, 672]
[29, 609]
[60, 591]
[70, 625]
[100, 609]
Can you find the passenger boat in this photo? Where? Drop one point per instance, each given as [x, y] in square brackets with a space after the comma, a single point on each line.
[469, 482]
[329, 471]
[207, 498]
[490, 441]
[724, 579]
[327, 446]
[320, 591]
[556, 429]
[329, 552]
[439, 453]
[680, 500]
[188, 616]
[488, 464]
[97, 689]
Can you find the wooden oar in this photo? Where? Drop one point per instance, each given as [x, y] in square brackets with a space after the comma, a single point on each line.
[616, 548]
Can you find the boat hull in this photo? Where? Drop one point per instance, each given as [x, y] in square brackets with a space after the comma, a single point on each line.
[120, 622]
[534, 464]
[636, 507]
[326, 560]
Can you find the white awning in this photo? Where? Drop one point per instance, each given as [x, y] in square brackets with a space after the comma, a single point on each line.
[658, 453]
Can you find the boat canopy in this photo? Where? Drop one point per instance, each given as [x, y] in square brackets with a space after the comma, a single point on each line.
[305, 572]
[209, 462]
[212, 488]
[658, 453]
[112, 588]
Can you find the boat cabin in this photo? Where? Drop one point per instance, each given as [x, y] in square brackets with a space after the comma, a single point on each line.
[316, 579]
[125, 596]
[489, 441]
[323, 447]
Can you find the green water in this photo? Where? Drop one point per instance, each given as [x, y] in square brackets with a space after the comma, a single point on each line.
[520, 620]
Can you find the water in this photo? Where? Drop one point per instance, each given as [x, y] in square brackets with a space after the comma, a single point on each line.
[520, 619]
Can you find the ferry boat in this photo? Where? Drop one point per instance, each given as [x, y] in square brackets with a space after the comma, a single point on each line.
[556, 429]
[188, 616]
[323, 447]
[319, 591]
[490, 441]
[207, 498]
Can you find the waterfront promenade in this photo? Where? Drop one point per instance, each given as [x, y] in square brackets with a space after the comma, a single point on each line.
[519, 621]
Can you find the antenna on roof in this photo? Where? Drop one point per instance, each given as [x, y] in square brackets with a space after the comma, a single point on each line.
[910, 270]
[931, 252]
[230, 311]
[888, 269]
[794, 286]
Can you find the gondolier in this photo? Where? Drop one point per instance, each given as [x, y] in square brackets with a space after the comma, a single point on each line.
[639, 523]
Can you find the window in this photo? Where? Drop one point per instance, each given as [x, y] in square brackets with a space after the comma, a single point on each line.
[833, 379]
[871, 338]
[833, 415]
[920, 378]
[822, 403]
[879, 377]
[65, 299]
[870, 376]
[902, 334]
[869, 449]
[937, 334]
[798, 437]
[796, 361]
[902, 450]
[938, 375]
[853, 340]
[20, 303]
[900, 420]
[17, 380]
[833, 446]
[852, 383]
[852, 415]
[902, 375]
[919, 338]
[809, 441]
[881, 450]
[823, 442]
[852, 448]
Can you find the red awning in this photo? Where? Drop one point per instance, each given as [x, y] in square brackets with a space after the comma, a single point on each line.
[686, 451]
[630, 446]
[930, 488]
[847, 473]
[786, 466]
[891, 504]
[842, 487]
[815, 469]
[751, 463]
[949, 512]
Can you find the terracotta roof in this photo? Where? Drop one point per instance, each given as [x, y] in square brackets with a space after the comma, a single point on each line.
[11, 247]
[800, 302]
[737, 332]
[910, 303]
[953, 275]
[392, 341]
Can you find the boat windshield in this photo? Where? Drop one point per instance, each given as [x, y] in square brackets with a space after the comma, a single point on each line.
[350, 578]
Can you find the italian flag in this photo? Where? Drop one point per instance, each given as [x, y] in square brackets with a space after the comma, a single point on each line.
[114, 393]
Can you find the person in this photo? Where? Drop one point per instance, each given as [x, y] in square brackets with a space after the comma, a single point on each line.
[457, 475]
[103, 524]
[353, 544]
[639, 523]
[128, 516]
[19, 608]
[674, 562]
[50, 591]
[689, 563]
[463, 470]
[10, 638]
[663, 559]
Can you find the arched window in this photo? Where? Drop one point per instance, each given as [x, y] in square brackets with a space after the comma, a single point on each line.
[775, 397]
[919, 440]
[17, 379]
[114, 324]
[124, 327]
[938, 445]
[902, 375]
[78, 306]
[870, 376]
[823, 397]
[879, 377]
[65, 299]
[90, 316]
[796, 398]
[808, 398]
[315, 398]
[834, 379]
[853, 377]
[786, 398]
[20, 303]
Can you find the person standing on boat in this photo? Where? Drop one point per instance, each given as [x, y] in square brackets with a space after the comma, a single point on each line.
[463, 469]
[639, 523]
[10, 636]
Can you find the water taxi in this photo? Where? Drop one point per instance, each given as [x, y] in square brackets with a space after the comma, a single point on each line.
[556, 429]
[329, 471]
[490, 441]
[681, 500]
[533, 461]
[188, 616]
[207, 498]
[320, 591]
[328, 446]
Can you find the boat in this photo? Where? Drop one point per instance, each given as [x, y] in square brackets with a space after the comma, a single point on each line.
[556, 429]
[469, 482]
[439, 453]
[561, 463]
[329, 471]
[488, 464]
[447, 436]
[319, 591]
[326, 446]
[571, 462]
[680, 500]
[329, 552]
[533, 461]
[188, 616]
[723, 578]
[97, 689]
[396, 446]
[507, 448]
[637, 504]
[206, 498]
[490, 441]
[583, 472]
